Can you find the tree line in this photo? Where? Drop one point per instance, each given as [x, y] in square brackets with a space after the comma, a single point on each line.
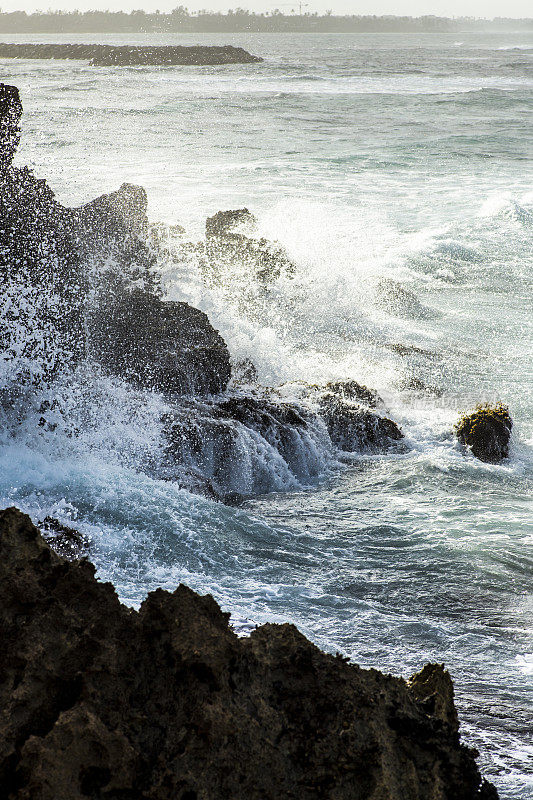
[240, 20]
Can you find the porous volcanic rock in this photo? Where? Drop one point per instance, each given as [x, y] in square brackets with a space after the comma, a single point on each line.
[486, 432]
[166, 703]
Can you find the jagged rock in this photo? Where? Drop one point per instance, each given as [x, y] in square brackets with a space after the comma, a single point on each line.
[162, 345]
[353, 428]
[225, 223]
[402, 302]
[101, 701]
[10, 114]
[102, 55]
[486, 432]
[351, 390]
[128, 204]
[66, 273]
[230, 243]
[64, 540]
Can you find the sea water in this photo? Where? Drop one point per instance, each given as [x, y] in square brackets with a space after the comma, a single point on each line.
[370, 158]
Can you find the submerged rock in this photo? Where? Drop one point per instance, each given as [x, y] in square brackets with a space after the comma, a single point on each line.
[486, 432]
[105, 702]
[242, 446]
[402, 302]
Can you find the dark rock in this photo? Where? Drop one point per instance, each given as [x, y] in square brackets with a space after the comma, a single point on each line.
[486, 432]
[101, 55]
[161, 345]
[10, 114]
[212, 444]
[82, 282]
[351, 390]
[402, 302]
[105, 702]
[230, 242]
[128, 205]
[353, 428]
[244, 371]
[65, 541]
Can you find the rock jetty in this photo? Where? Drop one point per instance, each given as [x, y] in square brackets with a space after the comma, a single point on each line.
[102, 55]
[99, 701]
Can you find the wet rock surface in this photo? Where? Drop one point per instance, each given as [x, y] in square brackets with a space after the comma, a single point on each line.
[101, 701]
[101, 55]
[486, 432]
[161, 345]
[64, 540]
[75, 278]
[231, 239]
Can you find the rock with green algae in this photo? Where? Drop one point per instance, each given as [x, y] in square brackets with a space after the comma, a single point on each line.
[99, 701]
[486, 432]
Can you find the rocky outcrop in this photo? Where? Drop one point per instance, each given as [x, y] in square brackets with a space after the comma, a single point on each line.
[486, 432]
[104, 702]
[235, 447]
[161, 345]
[356, 429]
[232, 246]
[73, 280]
[101, 55]
[64, 540]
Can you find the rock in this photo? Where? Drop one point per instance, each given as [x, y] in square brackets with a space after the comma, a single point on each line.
[227, 223]
[353, 428]
[411, 383]
[82, 282]
[161, 345]
[10, 114]
[231, 247]
[101, 701]
[402, 302]
[351, 390]
[65, 541]
[410, 350]
[128, 205]
[486, 432]
[101, 55]
[244, 371]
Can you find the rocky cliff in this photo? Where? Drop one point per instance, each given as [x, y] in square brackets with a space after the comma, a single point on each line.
[101, 701]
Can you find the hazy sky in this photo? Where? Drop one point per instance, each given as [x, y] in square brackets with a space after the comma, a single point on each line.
[448, 8]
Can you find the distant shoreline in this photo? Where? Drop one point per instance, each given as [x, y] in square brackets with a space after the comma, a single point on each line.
[182, 21]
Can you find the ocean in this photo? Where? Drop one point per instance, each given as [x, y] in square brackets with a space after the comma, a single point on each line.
[370, 158]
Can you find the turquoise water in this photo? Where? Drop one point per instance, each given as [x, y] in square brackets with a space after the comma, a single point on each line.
[370, 157]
